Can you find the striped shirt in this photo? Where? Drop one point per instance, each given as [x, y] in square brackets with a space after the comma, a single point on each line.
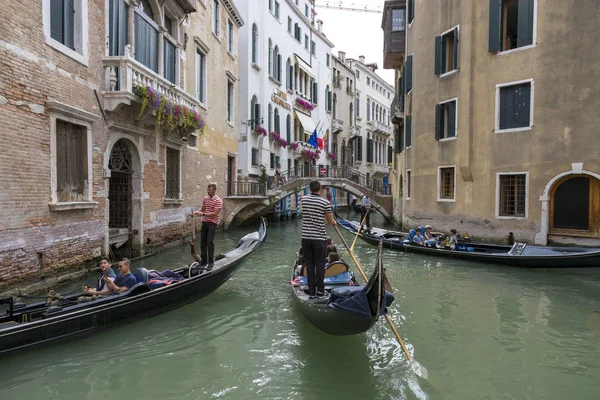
[314, 208]
[210, 204]
[365, 202]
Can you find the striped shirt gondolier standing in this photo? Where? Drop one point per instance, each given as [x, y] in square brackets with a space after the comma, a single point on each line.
[366, 206]
[315, 209]
[211, 211]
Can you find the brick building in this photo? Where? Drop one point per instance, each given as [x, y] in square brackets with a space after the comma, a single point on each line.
[89, 160]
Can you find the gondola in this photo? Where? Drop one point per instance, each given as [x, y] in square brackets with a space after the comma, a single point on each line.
[349, 308]
[357, 208]
[517, 255]
[37, 325]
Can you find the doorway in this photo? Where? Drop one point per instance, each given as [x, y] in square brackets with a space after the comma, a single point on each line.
[120, 194]
[575, 206]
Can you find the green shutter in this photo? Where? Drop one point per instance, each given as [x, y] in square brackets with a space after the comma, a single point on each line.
[525, 23]
[254, 42]
[409, 73]
[451, 119]
[279, 67]
[69, 24]
[257, 114]
[56, 19]
[438, 55]
[329, 101]
[408, 128]
[411, 10]
[522, 105]
[507, 107]
[495, 25]
[438, 114]
[455, 50]
[117, 27]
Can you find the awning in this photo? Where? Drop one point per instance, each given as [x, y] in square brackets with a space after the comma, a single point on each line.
[306, 121]
[303, 65]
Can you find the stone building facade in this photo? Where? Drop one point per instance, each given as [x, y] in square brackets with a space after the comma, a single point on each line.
[87, 163]
[500, 110]
[344, 124]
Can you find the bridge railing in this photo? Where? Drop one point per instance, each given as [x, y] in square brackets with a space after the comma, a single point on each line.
[246, 189]
[377, 186]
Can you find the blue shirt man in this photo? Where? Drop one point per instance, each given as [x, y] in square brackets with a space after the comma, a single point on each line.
[125, 280]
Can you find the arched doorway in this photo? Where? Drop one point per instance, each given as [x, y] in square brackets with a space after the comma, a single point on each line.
[120, 188]
[575, 206]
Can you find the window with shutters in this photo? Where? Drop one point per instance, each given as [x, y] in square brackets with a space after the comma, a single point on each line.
[512, 24]
[329, 99]
[397, 20]
[446, 183]
[297, 32]
[272, 159]
[146, 36]
[514, 106]
[408, 183]
[71, 162]
[511, 195]
[201, 76]
[65, 25]
[408, 130]
[230, 98]
[170, 51]
[288, 129]
[215, 18]
[328, 59]
[399, 139]
[411, 11]
[255, 116]
[408, 66]
[313, 48]
[230, 36]
[270, 119]
[315, 93]
[306, 42]
[276, 120]
[445, 120]
[254, 44]
[173, 174]
[289, 25]
[254, 156]
[446, 52]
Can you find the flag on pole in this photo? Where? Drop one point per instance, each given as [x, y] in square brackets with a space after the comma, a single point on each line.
[320, 138]
[313, 140]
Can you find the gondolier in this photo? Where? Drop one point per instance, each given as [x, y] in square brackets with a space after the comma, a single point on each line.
[211, 211]
[365, 211]
[314, 238]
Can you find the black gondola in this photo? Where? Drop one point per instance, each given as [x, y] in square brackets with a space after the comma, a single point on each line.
[357, 208]
[517, 255]
[349, 308]
[38, 325]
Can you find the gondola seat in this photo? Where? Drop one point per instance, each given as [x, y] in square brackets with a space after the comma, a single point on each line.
[335, 268]
[141, 275]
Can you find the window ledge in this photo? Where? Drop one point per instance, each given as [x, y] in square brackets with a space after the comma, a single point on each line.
[509, 217]
[445, 74]
[255, 66]
[216, 36]
[448, 139]
[529, 46]
[446, 200]
[290, 91]
[203, 105]
[75, 55]
[525, 128]
[172, 201]
[230, 54]
[73, 205]
[274, 80]
[230, 124]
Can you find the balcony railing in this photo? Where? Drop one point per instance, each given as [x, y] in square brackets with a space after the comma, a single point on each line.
[123, 73]
[353, 131]
[337, 125]
[246, 189]
[381, 128]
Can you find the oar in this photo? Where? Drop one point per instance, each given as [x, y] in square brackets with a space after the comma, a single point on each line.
[420, 370]
[360, 228]
[193, 240]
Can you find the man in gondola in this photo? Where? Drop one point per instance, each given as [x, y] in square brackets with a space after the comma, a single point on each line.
[365, 211]
[211, 211]
[315, 209]
[101, 288]
[125, 280]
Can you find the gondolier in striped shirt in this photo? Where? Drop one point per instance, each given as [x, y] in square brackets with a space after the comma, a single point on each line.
[211, 211]
[315, 209]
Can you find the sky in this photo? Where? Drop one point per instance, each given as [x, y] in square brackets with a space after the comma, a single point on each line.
[355, 32]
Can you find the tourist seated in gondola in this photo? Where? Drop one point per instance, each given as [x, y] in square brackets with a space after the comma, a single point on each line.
[101, 288]
[453, 242]
[125, 280]
[331, 258]
[430, 240]
[418, 238]
[331, 249]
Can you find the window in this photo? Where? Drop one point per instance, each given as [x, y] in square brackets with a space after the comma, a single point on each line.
[445, 120]
[511, 24]
[270, 57]
[72, 174]
[146, 36]
[446, 52]
[408, 173]
[66, 26]
[514, 106]
[397, 20]
[313, 48]
[170, 54]
[368, 81]
[329, 99]
[172, 174]
[357, 107]
[270, 119]
[408, 67]
[254, 157]
[408, 130]
[357, 74]
[399, 139]
[288, 129]
[411, 11]
[229, 101]
[277, 10]
[446, 177]
[271, 5]
[306, 10]
[511, 190]
[215, 18]
[254, 43]
[230, 36]
[201, 76]
[272, 159]
[255, 119]
[315, 93]
[328, 60]
[306, 42]
[297, 32]
[276, 121]
[289, 25]
[368, 109]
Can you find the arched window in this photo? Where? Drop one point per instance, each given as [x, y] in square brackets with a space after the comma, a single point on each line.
[276, 119]
[334, 105]
[343, 151]
[290, 74]
[254, 112]
[254, 44]
[270, 57]
[276, 64]
[288, 128]
[328, 99]
[368, 109]
[270, 120]
[351, 109]
[374, 117]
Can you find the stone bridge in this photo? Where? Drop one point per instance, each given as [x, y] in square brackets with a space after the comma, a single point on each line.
[251, 199]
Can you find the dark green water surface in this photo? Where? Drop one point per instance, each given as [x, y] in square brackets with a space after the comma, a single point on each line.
[481, 331]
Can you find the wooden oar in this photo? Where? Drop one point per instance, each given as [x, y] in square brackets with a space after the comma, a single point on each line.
[360, 228]
[416, 366]
[193, 241]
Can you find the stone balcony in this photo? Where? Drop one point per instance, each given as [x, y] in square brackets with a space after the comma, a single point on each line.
[123, 73]
[381, 128]
[337, 125]
[353, 131]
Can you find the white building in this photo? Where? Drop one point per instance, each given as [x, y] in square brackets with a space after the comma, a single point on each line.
[285, 81]
[373, 149]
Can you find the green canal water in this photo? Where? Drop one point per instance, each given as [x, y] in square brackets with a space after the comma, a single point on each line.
[481, 331]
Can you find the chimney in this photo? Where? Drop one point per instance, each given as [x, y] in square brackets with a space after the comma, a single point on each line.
[361, 59]
[342, 55]
[319, 25]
